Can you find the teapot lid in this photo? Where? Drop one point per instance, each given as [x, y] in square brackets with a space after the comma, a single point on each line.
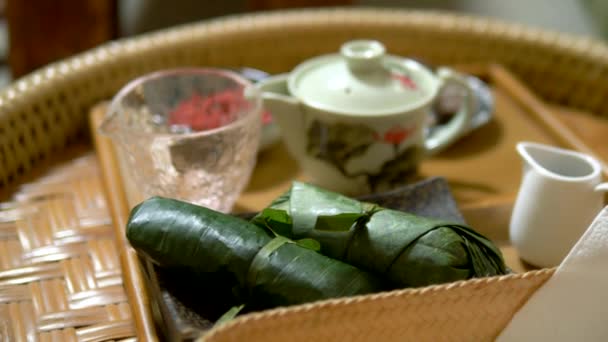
[362, 80]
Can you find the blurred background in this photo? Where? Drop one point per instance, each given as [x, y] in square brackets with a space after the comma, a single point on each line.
[35, 33]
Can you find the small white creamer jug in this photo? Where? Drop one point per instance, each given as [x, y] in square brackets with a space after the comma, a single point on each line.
[560, 194]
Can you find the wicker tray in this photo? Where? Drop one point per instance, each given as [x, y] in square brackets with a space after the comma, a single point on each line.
[483, 171]
[43, 119]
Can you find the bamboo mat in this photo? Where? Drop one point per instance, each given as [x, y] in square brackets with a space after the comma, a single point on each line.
[60, 273]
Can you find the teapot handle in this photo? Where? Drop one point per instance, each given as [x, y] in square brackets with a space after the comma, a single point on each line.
[602, 187]
[457, 126]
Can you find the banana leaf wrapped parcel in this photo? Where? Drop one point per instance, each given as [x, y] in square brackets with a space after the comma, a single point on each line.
[264, 270]
[409, 250]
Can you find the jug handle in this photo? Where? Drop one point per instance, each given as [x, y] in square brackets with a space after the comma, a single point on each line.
[460, 123]
[601, 187]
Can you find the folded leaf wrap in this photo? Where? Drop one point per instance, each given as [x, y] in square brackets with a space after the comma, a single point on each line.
[410, 250]
[268, 271]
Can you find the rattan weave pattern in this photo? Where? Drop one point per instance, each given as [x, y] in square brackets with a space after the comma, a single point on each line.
[60, 276]
[474, 310]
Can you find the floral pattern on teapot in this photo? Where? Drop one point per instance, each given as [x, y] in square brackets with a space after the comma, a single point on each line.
[340, 143]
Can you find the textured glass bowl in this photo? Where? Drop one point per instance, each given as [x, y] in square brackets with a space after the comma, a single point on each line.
[189, 134]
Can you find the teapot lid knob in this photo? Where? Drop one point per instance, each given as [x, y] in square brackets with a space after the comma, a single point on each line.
[363, 55]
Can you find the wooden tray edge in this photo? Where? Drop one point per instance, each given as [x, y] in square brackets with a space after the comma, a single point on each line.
[115, 196]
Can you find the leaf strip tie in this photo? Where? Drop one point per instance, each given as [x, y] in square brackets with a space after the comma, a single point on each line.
[414, 241]
[230, 314]
[261, 258]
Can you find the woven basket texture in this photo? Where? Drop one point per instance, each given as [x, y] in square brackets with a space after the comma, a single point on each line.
[60, 275]
[474, 310]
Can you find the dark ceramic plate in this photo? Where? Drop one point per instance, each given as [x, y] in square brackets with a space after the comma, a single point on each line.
[185, 306]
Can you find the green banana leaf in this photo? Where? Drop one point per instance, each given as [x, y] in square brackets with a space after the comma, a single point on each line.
[264, 270]
[410, 250]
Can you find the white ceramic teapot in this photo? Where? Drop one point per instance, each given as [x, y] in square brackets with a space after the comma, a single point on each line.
[357, 121]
